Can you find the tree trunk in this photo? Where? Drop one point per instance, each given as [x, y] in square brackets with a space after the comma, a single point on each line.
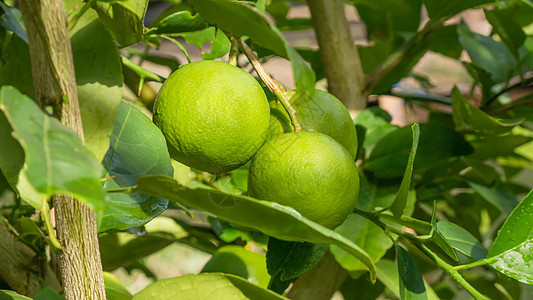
[338, 52]
[55, 85]
[18, 268]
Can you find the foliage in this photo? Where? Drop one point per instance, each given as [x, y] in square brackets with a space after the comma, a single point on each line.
[443, 206]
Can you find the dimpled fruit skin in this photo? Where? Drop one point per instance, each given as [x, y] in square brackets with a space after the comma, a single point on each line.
[322, 112]
[213, 115]
[308, 171]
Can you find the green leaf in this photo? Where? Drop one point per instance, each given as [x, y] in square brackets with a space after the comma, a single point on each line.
[120, 248]
[205, 286]
[377, 124]
[123, 18]
[398, 206]
[478, 172]
[270, 218]
[361, 289]
[437, 143]
[516, 262]
[220, 46]
[498, 195]
[467, 117]
[11, 19]
[438, 9]
[509, 31]
[10, 149]
[12, 295]
[181, 21]
[196, 236]
[494, 57]
[200, 37]
[364, 233]
[98, 76]
[494, 146]
[387, 272]
[17, 68]
[411, 281]
[239, 262]
[422, 228]
[481, 78]
[226, 232]
[445, 40]
[55, 159]
[47, 294]
[138, 148]
[519, 11]
[303, 75]
[314, 59]
[288, 260]
[114, 290]
[157, 58]
[462, 240]
[512, 249]
[389, 18]
[443, 243]
[373, 56]
[240, 19]
[278, 9]
[438, 237]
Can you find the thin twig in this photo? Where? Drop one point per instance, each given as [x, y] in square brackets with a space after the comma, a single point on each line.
[423, 97]
[417, 241]
[399, 55]
[272, 85]
[453, 272]
[526, 82]
[166, 37]
[477, 263]
[234, 51]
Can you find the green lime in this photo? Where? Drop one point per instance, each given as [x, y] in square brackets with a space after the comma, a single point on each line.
[213, 115]
[308, 171]
[322, 112]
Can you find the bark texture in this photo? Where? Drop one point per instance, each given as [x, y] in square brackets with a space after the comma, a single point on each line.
[338, 52]
[55, 85]
[18, 267]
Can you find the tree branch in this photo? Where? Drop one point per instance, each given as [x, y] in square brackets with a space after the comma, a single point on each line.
[55, 86]
[18, 268]
[338, 52]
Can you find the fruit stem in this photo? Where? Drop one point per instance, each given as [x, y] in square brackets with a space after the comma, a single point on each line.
[234, 51]
[272, 85]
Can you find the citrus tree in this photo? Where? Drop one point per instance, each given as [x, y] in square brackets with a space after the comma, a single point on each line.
[301, 194]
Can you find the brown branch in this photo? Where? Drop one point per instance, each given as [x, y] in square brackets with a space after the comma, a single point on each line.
[55, 85]
[339, 55]
[18, 268]
[272, 85]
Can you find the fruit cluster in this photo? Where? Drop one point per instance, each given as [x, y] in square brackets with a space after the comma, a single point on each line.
[216, 117]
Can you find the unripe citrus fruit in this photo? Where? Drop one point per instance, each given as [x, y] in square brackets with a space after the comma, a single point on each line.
[322, 112]
[308, 171]
[213, 115]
